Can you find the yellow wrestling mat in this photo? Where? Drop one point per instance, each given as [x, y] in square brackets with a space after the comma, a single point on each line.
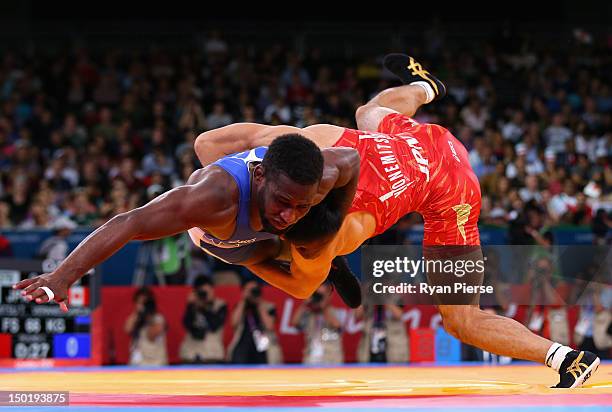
[299, 381]
[460, 387]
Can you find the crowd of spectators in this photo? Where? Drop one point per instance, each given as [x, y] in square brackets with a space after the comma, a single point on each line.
[86, 135]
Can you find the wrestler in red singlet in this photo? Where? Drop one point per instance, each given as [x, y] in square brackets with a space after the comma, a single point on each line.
[411, 167]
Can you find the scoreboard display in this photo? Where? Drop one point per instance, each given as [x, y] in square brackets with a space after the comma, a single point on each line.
[29, 331]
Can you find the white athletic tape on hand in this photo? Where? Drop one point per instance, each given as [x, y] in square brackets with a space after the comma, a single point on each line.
[49, 293]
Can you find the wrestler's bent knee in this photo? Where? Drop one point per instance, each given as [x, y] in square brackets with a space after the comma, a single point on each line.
[458, 319]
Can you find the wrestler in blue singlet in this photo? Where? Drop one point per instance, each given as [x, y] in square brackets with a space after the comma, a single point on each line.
[239, 246]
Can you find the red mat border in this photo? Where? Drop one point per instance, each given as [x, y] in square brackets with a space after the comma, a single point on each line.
[444, 401]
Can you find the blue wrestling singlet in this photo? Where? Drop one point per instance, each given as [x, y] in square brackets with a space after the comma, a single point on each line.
[242, 242]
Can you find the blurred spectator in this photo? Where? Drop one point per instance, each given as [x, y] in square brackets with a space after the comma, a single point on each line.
[81, 210]
[173, 258]
[481, 158]
[547, 313]
[127, 172]
[158, 161]
[384, 337]
[105, 126]
[203, 320]
[531, 191]
[19, 199]
[253, 320]
[38, 217]
[107, 91]
[219, 117]
[74, 133]
[475, 116]
[521, 164]
[56, 247]
[529, 227]
[581, 214]
[147, 328]
[5, 215]
[215, 47]
[563, 202]
[557, 134]
[514, 129]
[192, 117]
[318, 320]
[277, 112]
[60, 175]
[593, 331]
[601, 225]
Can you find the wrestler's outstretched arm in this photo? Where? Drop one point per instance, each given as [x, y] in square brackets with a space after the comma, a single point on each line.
[168, 214]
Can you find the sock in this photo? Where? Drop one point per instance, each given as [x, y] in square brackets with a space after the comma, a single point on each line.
[556, 355]
[429, 91]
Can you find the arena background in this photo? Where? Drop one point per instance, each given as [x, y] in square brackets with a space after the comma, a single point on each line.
[510, 73]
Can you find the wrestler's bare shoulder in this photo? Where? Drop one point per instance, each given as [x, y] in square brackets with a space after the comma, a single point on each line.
[220, 188]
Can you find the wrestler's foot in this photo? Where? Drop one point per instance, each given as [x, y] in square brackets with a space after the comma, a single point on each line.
[410, 71]
[576, 368]
[345, 282]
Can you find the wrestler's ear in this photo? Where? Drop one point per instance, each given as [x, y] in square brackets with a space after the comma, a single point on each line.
[258, 173]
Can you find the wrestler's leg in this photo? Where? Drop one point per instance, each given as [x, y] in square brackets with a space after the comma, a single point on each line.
[493, 333]
[403, 99]
[420, 87]
[451, 233]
